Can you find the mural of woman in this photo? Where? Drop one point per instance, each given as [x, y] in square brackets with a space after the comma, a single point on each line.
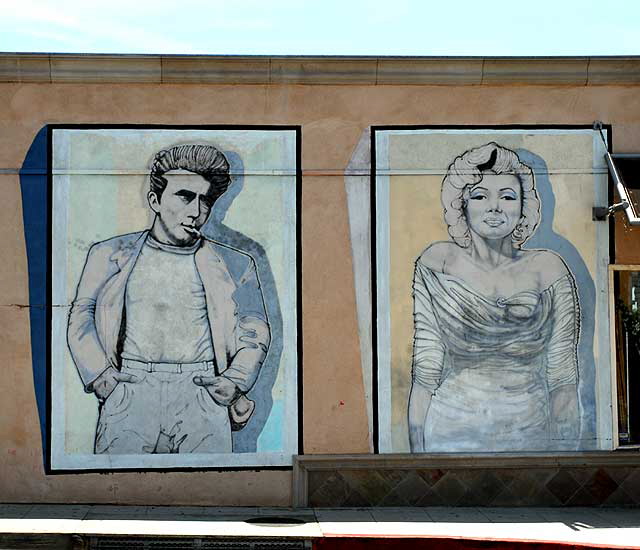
[496, 326]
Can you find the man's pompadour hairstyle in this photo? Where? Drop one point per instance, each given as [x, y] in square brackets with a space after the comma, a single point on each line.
[204, 160]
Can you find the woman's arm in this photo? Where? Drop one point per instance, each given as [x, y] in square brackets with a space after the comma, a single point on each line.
[565, 419]
[419, 401]
[562, 364]
[428, 356]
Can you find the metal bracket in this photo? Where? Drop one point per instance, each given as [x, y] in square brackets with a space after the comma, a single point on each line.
[601, 213]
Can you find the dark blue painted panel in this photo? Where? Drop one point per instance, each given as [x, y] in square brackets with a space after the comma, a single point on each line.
[34, 189]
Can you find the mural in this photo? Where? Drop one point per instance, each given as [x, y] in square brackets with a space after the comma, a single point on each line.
[496, 326]
[499, 354]
[177, 329]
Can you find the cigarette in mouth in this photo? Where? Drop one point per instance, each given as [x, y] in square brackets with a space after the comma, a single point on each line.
[193, 231]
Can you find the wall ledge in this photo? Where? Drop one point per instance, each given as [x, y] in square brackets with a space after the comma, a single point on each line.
[552, 479]
[319, 70]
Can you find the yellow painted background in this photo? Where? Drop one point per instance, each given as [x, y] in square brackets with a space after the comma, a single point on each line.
[416, 221]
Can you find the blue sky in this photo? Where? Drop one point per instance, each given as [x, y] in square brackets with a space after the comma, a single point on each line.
[330, 27]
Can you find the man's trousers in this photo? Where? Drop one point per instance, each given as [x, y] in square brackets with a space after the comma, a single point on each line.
[162, 412]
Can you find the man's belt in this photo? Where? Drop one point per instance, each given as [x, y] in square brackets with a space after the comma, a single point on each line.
[176, 368]
[240, 410]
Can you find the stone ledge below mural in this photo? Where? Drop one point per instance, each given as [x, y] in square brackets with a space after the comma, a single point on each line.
[571, 479]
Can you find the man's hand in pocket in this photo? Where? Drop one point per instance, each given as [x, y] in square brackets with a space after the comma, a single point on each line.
[104, 385]
[222, 390]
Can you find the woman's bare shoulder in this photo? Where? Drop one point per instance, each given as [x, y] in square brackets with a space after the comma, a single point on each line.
[438, 254]
[548, 264]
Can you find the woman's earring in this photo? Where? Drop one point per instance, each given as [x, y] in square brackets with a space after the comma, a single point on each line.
[518, 231]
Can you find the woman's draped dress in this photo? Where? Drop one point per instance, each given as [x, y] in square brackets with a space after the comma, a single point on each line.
[490, 364]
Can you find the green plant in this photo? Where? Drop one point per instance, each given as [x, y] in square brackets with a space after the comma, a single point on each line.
[630, 319]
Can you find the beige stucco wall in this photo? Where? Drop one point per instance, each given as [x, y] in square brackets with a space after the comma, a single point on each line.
[332, 119]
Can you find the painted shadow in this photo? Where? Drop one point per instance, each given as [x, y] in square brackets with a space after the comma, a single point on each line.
[545, 237]
[246, 439]
[35, 214]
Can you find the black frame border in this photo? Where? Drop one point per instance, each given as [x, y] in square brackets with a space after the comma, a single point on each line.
[48, 281]
[373, 228]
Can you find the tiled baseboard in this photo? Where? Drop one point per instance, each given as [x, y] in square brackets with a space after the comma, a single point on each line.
[567, 479]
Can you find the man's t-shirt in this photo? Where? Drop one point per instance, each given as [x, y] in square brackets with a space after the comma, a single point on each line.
[166, 309]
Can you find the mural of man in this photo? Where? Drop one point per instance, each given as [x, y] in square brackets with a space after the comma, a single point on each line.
[168, 328]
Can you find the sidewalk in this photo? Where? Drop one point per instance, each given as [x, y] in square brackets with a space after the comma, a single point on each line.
[592, 527]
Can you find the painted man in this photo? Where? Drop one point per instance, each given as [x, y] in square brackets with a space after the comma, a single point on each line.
[168, 328]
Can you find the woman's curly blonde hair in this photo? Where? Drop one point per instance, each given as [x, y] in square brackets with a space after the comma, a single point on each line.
[467, 170]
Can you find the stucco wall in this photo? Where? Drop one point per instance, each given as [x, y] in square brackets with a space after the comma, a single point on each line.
[333, 119]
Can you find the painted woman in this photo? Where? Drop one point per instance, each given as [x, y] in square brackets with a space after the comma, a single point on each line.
[496, 326]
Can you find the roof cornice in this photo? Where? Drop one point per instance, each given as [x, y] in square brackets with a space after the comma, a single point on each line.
[331, 70]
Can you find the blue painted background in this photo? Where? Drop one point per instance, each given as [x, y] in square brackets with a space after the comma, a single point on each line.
[546, 237]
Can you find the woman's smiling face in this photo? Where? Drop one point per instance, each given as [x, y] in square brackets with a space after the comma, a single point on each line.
[494, 206]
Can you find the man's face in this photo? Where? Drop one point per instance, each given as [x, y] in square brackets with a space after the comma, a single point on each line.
[183, 208]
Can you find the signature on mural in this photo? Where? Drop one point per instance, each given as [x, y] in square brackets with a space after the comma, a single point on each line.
[496, 326]
[168, 328]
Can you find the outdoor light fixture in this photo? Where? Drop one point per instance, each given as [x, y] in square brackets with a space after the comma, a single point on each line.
[623, 168]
